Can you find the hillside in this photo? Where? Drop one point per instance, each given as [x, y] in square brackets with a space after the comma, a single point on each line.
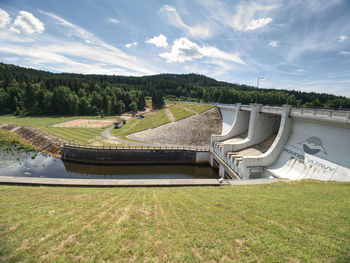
[25, 91]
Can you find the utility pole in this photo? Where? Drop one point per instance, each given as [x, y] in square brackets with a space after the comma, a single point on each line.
[257, 89]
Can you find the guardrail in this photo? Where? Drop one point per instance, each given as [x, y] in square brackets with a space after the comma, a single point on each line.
[296, 111]
[323, 113]
[138, 147]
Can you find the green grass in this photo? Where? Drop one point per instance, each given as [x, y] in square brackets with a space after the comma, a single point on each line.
[195, 107]
[79, 135]
[8, 140]
[83, 136]
[283, 222]
[179, 113]
[43, 122]
[133, 125]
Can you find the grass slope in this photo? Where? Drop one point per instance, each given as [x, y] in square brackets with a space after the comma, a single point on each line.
[9, 140]
[284, 222]
[79, 135]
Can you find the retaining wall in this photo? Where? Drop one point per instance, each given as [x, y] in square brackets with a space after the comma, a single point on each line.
[134, 156]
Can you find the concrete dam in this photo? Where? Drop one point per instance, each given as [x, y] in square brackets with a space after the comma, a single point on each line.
[282, 142]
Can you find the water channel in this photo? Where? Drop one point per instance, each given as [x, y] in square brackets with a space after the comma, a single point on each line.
[21, 164]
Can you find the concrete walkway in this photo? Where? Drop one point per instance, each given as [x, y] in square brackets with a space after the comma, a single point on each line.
[106, 134]
[107, 182]
[254, 181]
[131, 182]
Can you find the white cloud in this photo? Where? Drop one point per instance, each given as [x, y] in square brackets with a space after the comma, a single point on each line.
[273, 43]
[342, 38]
[344, 53]
[185, 50]
[158, 41]
[244, 18]
[113, 20]
[255, 24]
[87, 54]
[76, 30]
[28, 23]
[4, 18]
[133, 44]
[300, 70]
[250, 16]
[170, 14]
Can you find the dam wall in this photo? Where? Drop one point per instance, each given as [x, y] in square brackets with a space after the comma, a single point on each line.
[309, 144]
[134, 156]
[315, 150]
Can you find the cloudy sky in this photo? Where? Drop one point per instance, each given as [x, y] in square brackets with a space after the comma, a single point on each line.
[294, 44]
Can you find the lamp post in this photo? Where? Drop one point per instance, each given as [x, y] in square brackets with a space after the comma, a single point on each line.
[257, 89]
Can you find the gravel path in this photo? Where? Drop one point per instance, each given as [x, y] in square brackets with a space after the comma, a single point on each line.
[192, 131]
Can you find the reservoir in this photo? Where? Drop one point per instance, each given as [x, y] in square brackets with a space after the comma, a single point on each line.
[20, 164]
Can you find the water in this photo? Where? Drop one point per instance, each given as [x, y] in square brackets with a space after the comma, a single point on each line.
[21, 164]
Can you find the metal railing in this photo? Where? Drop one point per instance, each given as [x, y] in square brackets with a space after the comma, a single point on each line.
[138, 147]
[323, 113]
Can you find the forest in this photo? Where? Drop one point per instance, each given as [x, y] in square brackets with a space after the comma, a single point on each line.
[25, 91]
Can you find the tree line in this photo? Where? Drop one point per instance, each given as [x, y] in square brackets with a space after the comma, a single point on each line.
[26, 91]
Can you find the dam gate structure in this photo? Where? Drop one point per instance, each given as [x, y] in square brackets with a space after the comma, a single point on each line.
[282, 142]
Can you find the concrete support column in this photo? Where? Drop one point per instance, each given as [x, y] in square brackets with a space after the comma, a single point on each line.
[211, 161]
[274, 151]
[260, 128]
[221, 171]
[240, 125]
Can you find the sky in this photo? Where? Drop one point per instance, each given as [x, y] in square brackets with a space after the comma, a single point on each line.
[294, 44]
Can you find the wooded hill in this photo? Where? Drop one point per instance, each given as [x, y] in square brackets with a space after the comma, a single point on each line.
[25, 91]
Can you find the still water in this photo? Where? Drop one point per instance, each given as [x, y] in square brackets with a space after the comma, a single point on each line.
[16, 163]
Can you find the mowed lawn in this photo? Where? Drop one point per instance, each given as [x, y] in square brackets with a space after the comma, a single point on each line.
[79, 135]
[283, 222]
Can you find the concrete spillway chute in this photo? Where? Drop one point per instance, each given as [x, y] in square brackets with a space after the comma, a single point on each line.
[304, 146]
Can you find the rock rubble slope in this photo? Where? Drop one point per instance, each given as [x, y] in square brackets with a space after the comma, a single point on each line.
[192, 131]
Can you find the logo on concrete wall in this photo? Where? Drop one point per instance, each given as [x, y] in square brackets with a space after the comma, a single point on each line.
[313, 145]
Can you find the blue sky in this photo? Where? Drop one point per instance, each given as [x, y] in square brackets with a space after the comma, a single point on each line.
[296, 44]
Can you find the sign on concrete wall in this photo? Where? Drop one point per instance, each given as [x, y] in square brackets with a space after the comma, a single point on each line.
[314, 151]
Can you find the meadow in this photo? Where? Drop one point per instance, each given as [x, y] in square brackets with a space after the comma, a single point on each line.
[305, 221]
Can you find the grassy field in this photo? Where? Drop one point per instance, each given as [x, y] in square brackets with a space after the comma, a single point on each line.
[79, 135]
[284, 222]
[195, 107]
[179, 113]
[133, 125]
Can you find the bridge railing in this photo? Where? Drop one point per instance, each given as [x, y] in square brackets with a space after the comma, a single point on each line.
[323, 113]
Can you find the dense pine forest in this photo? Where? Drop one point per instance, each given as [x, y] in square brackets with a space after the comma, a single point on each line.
[26, 91]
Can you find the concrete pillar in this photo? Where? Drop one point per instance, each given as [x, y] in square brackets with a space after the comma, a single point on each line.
[260, 128]
[240, 125]
[269, 157]
[211, 161]
[221, 171]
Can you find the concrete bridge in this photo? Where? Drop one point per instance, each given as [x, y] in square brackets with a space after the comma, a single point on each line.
[284, 142]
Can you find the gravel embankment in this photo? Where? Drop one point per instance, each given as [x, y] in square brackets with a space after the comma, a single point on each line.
[192, 131]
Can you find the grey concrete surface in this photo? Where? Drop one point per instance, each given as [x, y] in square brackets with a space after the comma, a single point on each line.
[107, 182]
